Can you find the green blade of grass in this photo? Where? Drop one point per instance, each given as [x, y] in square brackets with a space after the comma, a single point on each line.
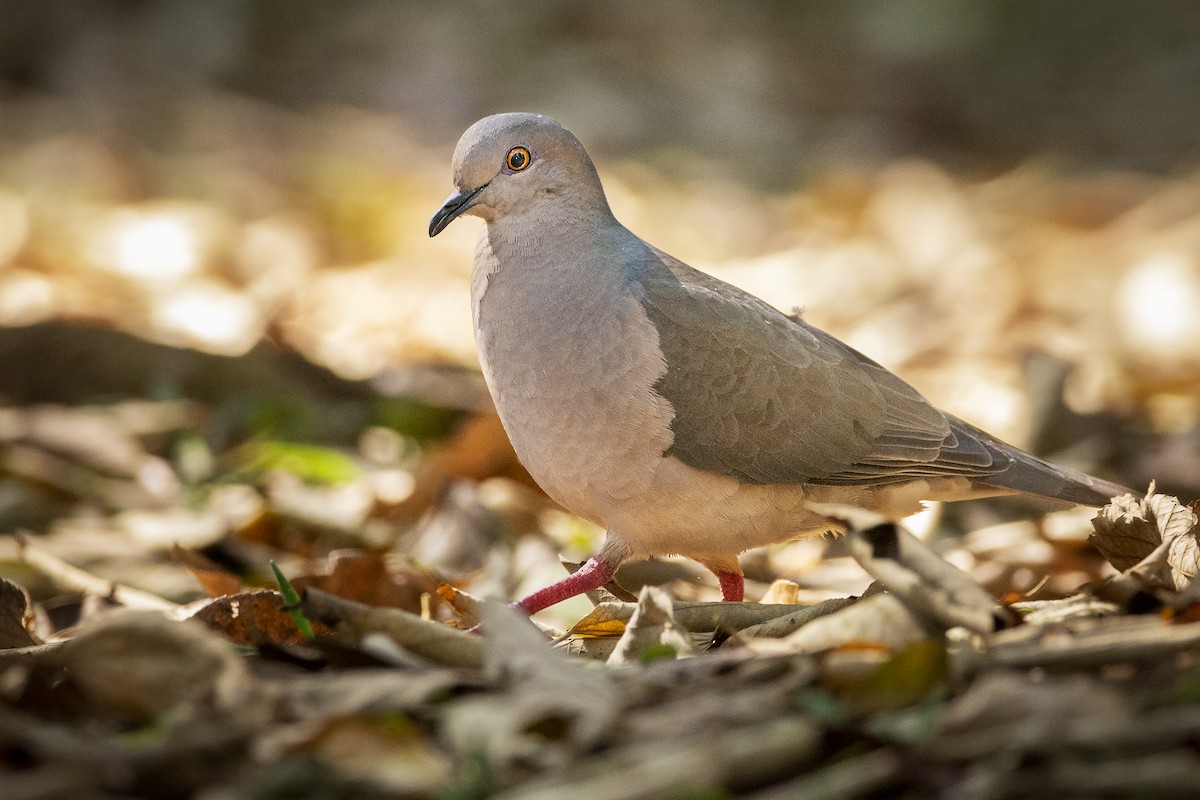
[291, 601]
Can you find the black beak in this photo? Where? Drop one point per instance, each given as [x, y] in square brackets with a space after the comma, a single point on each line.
[455, 205]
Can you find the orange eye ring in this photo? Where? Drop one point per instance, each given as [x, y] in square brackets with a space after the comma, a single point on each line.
[518, 159]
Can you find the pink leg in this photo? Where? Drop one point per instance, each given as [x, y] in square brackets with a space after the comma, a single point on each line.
[592, 575]
[733, 586]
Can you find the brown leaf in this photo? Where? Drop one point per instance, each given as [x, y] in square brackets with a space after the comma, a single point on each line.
[253, 617]
[1128, 531]
[1124, 533]
[16, 617]
[366, 578]
[215, 579]
[601, 622]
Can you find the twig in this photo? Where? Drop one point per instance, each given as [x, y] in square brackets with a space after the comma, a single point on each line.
[1124, 642]
[782, 626]
[924, 581]
[31, 654]
[706, 617]
[855, 777]
[431, 640]
[75, 579]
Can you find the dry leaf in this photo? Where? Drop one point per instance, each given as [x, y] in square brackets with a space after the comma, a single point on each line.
[384, 751]
[429, 640]
[1009, 712]
[603, 621]
[789, 623]
[651, 632]
[922, 579]
[1128, 531]
[142, 664]
[215, 579]
[880, 620]
[365, 577]
[16, 618]
[253, 618]
[547, 707]
[465, 604]
[782, 592]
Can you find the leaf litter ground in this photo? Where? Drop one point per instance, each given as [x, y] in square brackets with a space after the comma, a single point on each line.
[1000, 649]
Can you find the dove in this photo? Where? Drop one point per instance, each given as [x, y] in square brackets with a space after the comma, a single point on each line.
[684, 415]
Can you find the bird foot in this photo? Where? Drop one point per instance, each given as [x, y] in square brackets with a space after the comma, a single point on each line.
[592, 575]
[733, 586]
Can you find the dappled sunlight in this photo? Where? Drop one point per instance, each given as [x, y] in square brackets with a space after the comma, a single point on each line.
[155, 245]
[14, 225]
[920, 270]
[1158, 308]
[261, 522]
[208, 316]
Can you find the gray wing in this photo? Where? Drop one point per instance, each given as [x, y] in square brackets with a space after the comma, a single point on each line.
[766, 398]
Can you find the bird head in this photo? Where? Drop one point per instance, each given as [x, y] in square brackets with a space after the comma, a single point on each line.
[512, 163]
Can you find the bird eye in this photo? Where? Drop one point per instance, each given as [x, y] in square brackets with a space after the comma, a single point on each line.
[517, 159]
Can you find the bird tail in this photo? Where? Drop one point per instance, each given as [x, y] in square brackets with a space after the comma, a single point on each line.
[1031, 475]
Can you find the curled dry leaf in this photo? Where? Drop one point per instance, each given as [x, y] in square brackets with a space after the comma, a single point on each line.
[16, 618]
[923, 580]
[1129, 531]
[651, 631]
[782, 592]
[608, 619]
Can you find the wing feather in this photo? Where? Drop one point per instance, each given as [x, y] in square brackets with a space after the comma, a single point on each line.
[766, 398]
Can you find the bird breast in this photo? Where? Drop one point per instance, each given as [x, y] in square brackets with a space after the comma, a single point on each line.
[571, 359]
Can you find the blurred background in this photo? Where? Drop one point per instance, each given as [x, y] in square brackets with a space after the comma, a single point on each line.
[225, 325]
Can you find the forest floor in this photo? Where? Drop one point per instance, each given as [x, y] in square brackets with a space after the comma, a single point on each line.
[210, 370]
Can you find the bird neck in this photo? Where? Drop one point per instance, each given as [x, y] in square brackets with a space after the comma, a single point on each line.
[554, 236]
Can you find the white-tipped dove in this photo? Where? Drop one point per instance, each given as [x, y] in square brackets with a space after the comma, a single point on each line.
[681, 413]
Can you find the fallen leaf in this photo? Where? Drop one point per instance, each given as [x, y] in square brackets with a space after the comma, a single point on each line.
[367, 578]
[601, 622]
[880, 620]
[141, 664]
[16, 617]
[1128, 531]
[253, 617]
[215, 579]
[546, 706]
[387, 751]
[651, 632]
[782, 592]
